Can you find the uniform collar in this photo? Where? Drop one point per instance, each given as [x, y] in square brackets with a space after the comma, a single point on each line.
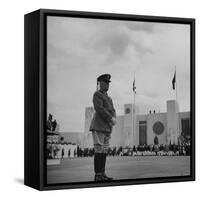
[103, 92]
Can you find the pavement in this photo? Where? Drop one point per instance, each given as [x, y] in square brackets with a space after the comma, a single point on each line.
[81, 169]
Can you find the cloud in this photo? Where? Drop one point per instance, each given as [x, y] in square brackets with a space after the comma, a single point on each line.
[141, 26]
[79, 50]
[151, 94]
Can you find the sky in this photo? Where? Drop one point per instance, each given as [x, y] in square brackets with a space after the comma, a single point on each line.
[79, 50]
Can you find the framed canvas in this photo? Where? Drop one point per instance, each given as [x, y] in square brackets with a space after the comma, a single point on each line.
[109, 99]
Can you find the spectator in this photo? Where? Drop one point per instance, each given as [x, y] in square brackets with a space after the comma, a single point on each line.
[63, 153]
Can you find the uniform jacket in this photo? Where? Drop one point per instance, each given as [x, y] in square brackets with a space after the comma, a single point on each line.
[104, 111]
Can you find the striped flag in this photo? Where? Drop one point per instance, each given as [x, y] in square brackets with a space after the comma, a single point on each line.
[134, 87]
[174, 81]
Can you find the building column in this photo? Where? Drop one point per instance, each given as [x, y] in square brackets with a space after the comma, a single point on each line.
[129, 125]
[173, 131]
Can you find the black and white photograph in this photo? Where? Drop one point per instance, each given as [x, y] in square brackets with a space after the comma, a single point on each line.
[118, 100]
[99, 100]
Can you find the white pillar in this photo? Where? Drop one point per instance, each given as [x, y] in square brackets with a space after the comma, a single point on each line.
[87, 138]
[172, 122]
[129, 131]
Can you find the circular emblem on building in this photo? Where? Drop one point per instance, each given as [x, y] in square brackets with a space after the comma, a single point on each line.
[158, 128]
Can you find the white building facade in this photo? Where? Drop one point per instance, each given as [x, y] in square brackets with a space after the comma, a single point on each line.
[137, 129]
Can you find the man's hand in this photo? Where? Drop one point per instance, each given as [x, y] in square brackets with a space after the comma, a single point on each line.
[114, 121]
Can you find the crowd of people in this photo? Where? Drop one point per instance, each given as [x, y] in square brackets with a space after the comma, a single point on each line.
[71, 150]
[61, 150]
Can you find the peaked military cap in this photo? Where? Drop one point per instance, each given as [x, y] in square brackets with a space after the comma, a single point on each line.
[104, 77]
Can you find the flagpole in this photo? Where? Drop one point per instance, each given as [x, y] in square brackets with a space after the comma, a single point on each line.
[178, 134]
[133, 110]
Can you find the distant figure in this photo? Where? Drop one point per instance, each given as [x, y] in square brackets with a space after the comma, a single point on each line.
[154, 111]
[49, 122]
[54, 147]
[78, 151]
[48, 150]
[54, 125]
[69, 153]
[62, 139]
[101, 126]
[156, 148]
[156, 140]
[63, 153]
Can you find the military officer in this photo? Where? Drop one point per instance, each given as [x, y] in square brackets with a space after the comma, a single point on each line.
[101, 126]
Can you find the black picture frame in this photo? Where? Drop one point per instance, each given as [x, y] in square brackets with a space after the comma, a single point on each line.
[35, 97]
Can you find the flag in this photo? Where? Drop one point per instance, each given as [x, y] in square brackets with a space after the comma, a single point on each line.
[134, 87]
[174, 81]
